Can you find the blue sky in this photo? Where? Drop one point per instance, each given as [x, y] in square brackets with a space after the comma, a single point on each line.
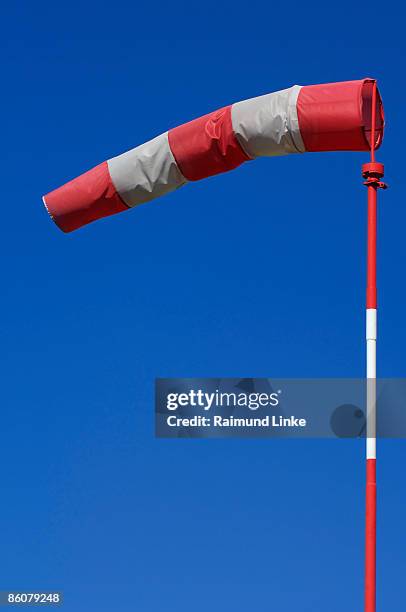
[259, 272]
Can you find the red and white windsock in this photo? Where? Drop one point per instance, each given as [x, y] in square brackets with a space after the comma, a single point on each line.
[329, 117]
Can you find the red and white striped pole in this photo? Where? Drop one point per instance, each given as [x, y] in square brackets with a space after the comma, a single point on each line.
[373, 173]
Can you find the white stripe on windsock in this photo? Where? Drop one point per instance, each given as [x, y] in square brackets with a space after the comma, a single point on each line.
[268, 125]
[146, 172]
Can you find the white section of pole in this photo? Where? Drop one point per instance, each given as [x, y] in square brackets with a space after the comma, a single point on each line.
[371, 338]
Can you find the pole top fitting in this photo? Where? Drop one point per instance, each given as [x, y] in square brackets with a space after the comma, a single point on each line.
[372, 169]
[373, 172]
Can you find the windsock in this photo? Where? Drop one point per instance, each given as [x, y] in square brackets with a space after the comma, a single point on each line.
[329, 117]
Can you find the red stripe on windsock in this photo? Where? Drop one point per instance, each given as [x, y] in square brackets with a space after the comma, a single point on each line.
[337, 116]
[89, 197]
[206, 146]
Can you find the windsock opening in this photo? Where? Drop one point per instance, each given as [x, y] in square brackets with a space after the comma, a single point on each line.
[328, 117]
[367, 90]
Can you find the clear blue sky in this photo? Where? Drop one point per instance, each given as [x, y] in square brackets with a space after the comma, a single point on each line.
[259, 272]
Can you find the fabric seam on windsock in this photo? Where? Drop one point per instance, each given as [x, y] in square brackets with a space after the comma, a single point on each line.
[207, 145]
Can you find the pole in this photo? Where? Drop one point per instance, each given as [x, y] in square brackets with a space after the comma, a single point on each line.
[373, 173]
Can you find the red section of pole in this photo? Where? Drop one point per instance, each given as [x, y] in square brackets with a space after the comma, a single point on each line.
[371, 251]
[370, 538]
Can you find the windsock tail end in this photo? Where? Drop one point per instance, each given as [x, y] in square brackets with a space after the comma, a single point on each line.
[87, 198]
